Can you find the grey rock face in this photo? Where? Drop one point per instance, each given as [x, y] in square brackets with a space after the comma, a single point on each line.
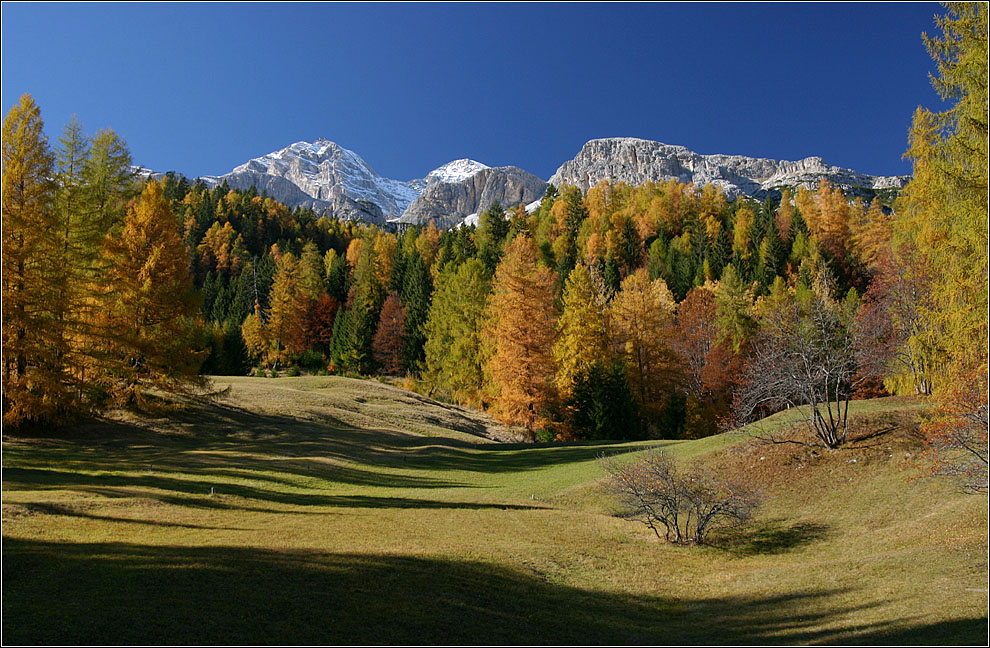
[345, 208]
[448, 203]
[637, 161]
[279, 188]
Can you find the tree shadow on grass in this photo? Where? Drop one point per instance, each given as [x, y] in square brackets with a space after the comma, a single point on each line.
[215, 437]
[768, 537]
[191, 493]
[69, 511]
[117, 593]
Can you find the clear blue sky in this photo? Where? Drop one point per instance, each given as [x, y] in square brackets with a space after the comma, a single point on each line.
[201, 88]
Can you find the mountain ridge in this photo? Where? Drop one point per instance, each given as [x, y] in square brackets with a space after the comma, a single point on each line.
[635, 161]
[337, 182]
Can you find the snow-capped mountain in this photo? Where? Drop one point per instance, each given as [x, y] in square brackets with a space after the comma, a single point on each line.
[321, 175]
[336, 181]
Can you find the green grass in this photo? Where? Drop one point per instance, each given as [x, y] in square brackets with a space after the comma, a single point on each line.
[330, 510]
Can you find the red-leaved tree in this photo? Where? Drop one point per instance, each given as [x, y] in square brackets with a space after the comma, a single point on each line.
[386, 347]
[319, 322]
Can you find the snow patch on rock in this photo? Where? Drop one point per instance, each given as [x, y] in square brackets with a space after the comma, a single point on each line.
[455, 171]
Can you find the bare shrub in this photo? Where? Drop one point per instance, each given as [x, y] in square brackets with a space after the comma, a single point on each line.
[805, 354]
[686, 504]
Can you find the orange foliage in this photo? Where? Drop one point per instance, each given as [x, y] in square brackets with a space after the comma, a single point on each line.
[521, 329]
[956, 432]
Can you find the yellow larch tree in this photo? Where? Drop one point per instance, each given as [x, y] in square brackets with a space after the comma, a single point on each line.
[150, 330]
[640, 314]
[520, 328]
[942, 213]
[32, 339]
[581, 336]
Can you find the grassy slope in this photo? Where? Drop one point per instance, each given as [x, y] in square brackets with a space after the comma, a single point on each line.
[350, 512]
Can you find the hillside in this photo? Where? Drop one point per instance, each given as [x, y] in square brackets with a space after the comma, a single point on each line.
[328, 510]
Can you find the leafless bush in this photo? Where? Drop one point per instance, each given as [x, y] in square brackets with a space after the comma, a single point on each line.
[686, 504]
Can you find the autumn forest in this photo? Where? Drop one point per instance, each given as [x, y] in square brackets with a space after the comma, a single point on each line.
[657, 311]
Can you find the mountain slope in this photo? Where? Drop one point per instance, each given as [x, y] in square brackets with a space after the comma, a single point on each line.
[326, 510]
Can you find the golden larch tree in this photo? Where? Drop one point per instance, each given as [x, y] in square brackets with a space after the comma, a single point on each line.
[640, 315]
[150, 332]
[32, 337]
[289, 304]
[521, 328]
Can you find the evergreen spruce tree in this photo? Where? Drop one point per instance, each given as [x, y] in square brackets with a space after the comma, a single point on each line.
[491, 233]
[611, 274]
[416, 291]
[338, 278]
[209, 293]
[601, 404]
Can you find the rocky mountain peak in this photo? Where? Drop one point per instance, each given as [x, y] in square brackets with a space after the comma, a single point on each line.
[449, 203]
[320, 175]
[636, 161]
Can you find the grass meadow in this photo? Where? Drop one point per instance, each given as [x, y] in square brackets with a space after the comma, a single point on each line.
[322, 510]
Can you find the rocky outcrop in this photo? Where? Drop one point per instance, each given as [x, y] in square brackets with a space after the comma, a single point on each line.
[345, 208]
[277, 187]
[449, 203]
[637, 161]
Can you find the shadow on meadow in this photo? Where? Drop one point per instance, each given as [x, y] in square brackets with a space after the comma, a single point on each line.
[275, 458]
[123, 593]
[769, 537]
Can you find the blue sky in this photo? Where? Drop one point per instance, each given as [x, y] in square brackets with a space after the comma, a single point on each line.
[201, 88]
